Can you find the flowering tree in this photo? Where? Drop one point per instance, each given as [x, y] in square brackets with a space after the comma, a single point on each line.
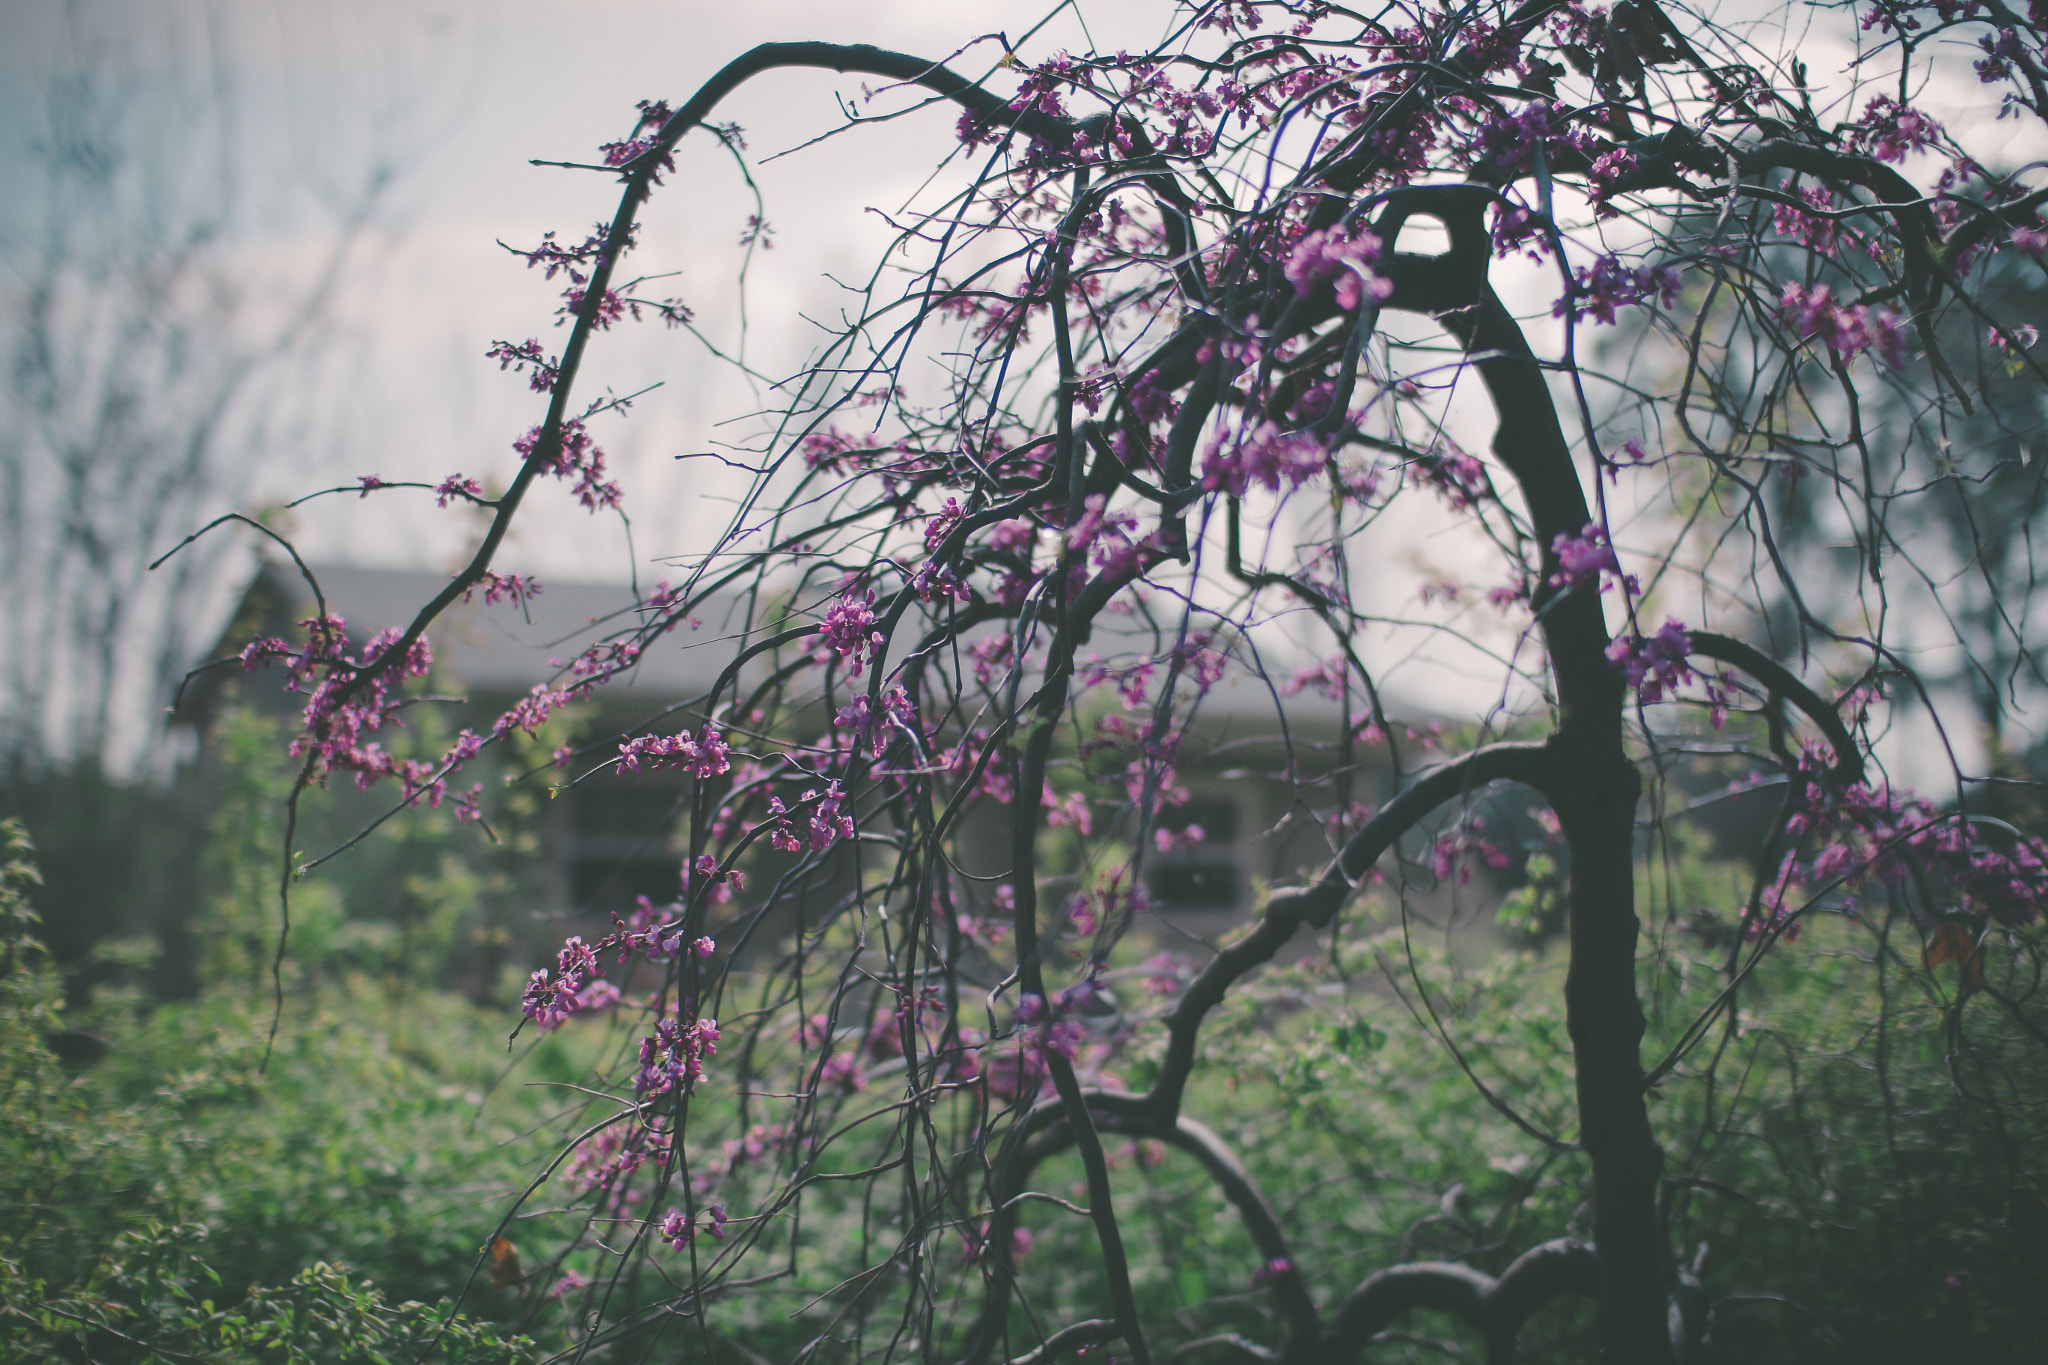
[1153, 375]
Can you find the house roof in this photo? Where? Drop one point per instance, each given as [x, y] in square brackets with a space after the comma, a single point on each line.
[505, 649]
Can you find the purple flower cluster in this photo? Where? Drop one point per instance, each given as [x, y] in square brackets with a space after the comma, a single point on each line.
[552, 999]
[707, 755]
[679, 1231]
[1328, 677]
[1457, 475]
[525, 356]
[509, 587]
[1457, 848]
[650, 934]
[607, 1159]
[719, 883]
[345, 704]
[673, 1056]
[654, 114]
[1582, 558]
[1271, 1271]
[1873, 835]
[1601, 181]
[1656, 665]
[2023, 338]
[2004, 53]
[1609, 284]
[1332, 254]
[1806, 226]
[1890, 130]
[578, 455]
[1263, 455]
[897, 713]
[1848, 329]
[849, 628]
[1109, 902]
[1512, 141]
[1053, 1030]
[827, 821]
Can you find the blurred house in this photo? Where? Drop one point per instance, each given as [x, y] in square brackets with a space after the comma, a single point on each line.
[613, 837]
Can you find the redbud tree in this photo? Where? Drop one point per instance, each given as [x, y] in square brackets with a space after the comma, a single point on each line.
[1129, 402]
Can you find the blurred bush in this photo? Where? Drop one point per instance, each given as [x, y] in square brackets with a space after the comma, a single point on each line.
[176, 1200]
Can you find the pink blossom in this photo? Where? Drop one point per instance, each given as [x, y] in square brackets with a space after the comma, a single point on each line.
[498, 587]
[1272, 1270]
[1330, 253]
[1890, 130]
[577, 455]
[2001, 53]
[1455, 850]
[720, 883]
[848, 630]
[1165, 973]
[575, 985]
[1865, 834]
[2026, 334]
[1582, 558]
[455, 486]
[1266, 457]
[1608, 169]
[1609, 284]
[1069, 810]
[706, 755]
[1847, 330]
[352, 696]
[527, 354]
[1327, 677]
[828, 823]
[679, 1231]
[1459, 476]
[1512, 141]
[1656, 665]
[654, 114]
[1810, 229]
[942, 522]
[673, 1056]
[1202, 664]
[532, 712]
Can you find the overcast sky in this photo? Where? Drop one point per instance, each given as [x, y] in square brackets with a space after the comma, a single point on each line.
[295, 108]
[453, 98]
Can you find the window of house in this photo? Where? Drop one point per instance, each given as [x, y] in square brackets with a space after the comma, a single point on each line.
[622, 832]
[1204, 875]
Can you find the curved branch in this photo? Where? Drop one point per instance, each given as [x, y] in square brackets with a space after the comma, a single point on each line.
[1128, 1116]
[1244, 1346]
[639, 175]
[1498, 1307]
[1088, 1332]
[1848, 768]
[1387, 1294]
[1317, 905]
[1536, 1277]
[1261, 1221]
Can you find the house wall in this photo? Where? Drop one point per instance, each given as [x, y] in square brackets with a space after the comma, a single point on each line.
[608, 838]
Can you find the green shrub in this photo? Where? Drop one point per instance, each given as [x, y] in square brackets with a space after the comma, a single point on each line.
[176, 1198]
